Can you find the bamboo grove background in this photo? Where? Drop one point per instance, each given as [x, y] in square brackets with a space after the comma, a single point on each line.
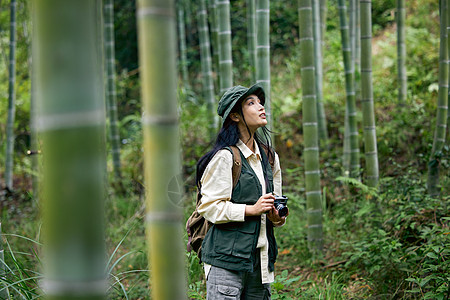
[108, 105]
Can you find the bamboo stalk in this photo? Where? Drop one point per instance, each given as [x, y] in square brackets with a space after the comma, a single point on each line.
[71, 124]
[323, 132]
[263, 53]
[251, 36]
[311, 143]
[370, 138]
[215, 40]
[111, 93]
[352, 29]
[34, 145]
[323, 25]
[401, 51]
[205, 56]
[346, 147]
[352, 131]
[162, 161]
[182, 40]
[448, 47]
[188, 20]
[9, 160]
[225, 57]
[323, 20]
[357, 66]
[442, 106]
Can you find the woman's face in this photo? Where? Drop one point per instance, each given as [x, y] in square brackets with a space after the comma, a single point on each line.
[254, 113]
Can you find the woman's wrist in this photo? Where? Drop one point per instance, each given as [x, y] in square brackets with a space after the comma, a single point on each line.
[249, 210]
[279, 223]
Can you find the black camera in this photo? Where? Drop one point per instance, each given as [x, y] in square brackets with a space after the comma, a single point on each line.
[280, 204]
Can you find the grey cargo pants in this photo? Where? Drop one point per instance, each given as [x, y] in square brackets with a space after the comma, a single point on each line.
[223, 284]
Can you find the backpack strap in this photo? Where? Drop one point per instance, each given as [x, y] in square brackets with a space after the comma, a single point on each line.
[235, 170]
[237, 164]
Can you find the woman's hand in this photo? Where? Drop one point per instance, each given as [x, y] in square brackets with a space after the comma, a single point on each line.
[275, 218]
[264, 204]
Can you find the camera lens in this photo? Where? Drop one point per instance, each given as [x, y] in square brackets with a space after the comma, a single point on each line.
[282, 210]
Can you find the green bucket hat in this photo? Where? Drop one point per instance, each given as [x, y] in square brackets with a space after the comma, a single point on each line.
[236, 93]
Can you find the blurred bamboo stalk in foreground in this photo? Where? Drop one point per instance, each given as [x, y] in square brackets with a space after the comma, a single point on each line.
[71, 123]
[162, 160]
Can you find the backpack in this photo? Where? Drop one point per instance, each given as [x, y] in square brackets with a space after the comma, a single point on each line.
[197, 226]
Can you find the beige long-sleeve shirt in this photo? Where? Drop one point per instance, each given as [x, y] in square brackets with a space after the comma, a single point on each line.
[217, 187]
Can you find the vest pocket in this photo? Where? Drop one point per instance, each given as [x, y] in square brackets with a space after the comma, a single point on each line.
[246, 189]
[245, 240]
[224, 239]
[237, 239]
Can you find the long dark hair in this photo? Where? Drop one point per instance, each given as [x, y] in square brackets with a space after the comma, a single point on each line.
[229, 136]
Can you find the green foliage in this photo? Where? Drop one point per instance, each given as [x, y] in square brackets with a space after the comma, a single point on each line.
[197, 290]
[282, 282]
[431, 279]
[371, 191]
[429, 10]
[331, 287]
[131, 153]
[21, 280]
[195, 143]
[383, 14]
[401, 239]
[284, 26]
[128, 94]
[125, 34]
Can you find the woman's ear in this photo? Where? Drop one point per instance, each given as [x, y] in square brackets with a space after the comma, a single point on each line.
[234, 117]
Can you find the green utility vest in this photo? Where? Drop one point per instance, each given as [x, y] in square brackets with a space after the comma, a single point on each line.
[232, 245]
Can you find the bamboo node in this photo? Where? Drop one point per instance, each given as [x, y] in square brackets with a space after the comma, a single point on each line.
[70, 120]
[315, 226]
[314, 211]
[159, 120]
[319, 192]
[75, 288]
[371, 153]
[163, 217]
[312, 172]
[155, 11]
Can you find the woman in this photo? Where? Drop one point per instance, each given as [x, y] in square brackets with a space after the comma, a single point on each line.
[240, 250]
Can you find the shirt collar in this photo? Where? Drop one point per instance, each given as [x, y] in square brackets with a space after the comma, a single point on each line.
[246, 150]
